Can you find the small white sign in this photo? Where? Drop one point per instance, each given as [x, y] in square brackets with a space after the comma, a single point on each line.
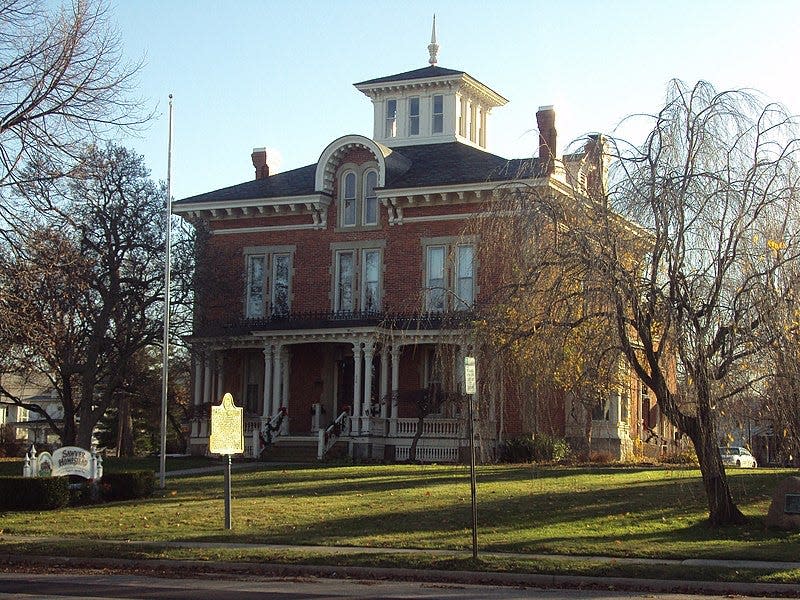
[71, 460]
[469, 374]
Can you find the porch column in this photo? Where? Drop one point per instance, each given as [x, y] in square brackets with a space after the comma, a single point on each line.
[198, 391]
[384, 385]
[265, 408]
[357, 364]
[219, 368]
[396, 350]
[369, 353]
[277, 356]
[207, 374]
[286, 361]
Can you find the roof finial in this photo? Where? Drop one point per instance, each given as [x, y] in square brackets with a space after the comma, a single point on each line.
[433, 47]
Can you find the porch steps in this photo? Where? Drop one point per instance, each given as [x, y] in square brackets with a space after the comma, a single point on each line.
[300, 449]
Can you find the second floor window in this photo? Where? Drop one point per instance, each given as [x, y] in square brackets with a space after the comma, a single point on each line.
[357, 280]
[268, 284]
[449, 276]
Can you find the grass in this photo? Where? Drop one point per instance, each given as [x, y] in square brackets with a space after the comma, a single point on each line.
[12, 467]
[615, 511]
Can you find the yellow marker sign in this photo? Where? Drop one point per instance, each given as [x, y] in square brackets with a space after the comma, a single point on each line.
[227, 428]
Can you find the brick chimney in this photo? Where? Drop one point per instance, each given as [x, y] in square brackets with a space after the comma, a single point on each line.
[546, 121]
[259, 157]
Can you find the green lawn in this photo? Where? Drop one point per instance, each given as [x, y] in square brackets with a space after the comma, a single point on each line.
[616, 511]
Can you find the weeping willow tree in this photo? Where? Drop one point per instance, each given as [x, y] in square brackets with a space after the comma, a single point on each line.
[673, 265]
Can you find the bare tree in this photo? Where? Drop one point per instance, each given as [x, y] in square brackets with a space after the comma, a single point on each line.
[63, 83]
[82, 295]
[677, 255]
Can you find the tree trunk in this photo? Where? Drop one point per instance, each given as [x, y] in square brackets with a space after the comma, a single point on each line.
[721, 508]
[412, 451]
[124, 428]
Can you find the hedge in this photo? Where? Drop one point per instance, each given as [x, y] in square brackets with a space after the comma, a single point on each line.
[127, 485]
[33, 493]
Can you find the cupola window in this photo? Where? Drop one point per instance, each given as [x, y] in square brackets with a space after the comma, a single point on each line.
[437, 124]
[413, 116]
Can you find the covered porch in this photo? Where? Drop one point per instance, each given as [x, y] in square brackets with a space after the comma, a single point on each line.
[364, 387]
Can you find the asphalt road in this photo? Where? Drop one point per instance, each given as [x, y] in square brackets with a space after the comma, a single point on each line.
[102, 586]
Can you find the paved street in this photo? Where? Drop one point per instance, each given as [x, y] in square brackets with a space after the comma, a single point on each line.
[29, 586]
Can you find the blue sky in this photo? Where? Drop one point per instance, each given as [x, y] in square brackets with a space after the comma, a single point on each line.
[279, 74]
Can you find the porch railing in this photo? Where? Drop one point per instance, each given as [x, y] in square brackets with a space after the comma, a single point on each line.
[431, 427]
[329, 435]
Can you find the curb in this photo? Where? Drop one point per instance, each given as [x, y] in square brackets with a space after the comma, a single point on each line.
[428, 575]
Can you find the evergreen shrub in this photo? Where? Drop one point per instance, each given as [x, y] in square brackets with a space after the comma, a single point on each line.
[33, 493]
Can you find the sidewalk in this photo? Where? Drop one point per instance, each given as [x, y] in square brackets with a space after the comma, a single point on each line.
[439, 576]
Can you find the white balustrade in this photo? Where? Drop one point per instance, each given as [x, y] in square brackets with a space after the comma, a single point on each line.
[436, 428]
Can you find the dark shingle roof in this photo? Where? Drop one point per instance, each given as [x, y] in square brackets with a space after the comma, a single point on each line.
[425, 165]
[297, 182]
[454, 163]
[423, 73]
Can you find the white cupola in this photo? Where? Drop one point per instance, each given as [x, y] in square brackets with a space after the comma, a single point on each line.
[430, 105]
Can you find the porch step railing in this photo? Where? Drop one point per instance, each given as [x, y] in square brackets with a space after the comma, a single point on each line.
[262, 433]
[329, 435]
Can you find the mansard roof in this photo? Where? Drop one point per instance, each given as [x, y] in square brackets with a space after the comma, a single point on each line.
[423, 73]
[427, 165]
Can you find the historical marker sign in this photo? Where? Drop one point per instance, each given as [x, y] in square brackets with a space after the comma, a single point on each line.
[792, 504]
[469, 374]
[227, 428]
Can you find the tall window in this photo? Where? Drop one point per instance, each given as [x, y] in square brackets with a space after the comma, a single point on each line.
[370, 280]
[255, 287]
[413, 116]
[465, 278]
[391, 118]
[357, 278]
[268, 290]
[280, 284]
[370, 198]
[449, 275]
[345, 282]
[437, 123]
[473, 122]
[462, 118]
[349, 199]
[435, 279]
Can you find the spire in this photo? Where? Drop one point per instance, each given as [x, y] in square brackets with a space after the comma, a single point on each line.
[433, 47]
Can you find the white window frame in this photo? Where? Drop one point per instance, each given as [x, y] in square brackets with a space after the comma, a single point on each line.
[267, 255]
[390, 122]
[364, 282]
[346, 175]
[437, 118]
[430, 289]
[274, 280]
[337, 306]
[451, 248]
[459, 302]
[414, 117]
[367, 199]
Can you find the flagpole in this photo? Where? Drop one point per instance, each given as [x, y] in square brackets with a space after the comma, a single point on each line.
[165, 346]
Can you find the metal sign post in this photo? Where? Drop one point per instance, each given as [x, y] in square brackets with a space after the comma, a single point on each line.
[227, 438]
[470, 389]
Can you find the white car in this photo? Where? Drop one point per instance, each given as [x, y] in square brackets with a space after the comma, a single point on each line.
[737, 456]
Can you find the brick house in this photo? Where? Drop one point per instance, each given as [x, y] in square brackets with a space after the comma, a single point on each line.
[331, 296]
